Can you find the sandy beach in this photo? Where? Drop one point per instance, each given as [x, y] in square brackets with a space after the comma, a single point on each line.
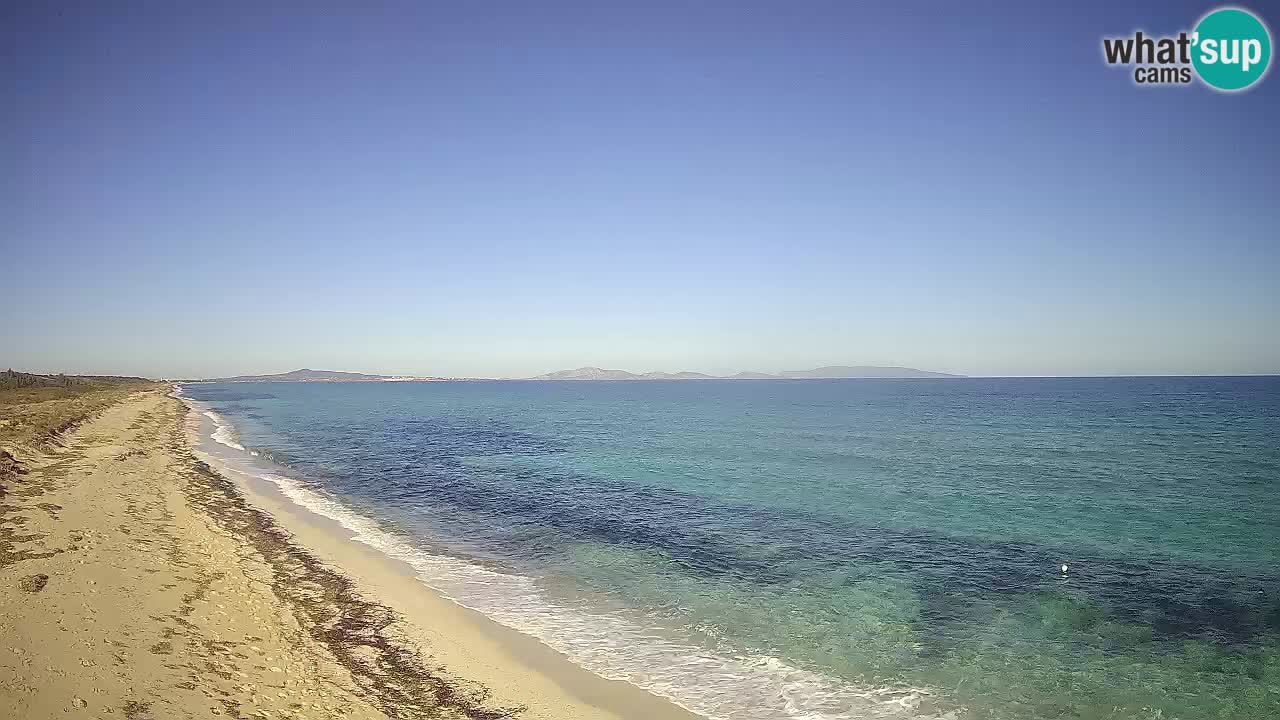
[136, 582]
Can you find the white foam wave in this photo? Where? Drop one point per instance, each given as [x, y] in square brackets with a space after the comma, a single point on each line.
[222, 431]
[718, 687]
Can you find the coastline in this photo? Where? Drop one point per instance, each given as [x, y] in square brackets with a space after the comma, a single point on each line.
[136, 580]
[504, 660]
[628, 652]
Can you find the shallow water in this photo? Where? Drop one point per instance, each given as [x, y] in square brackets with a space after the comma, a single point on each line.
[860, 548]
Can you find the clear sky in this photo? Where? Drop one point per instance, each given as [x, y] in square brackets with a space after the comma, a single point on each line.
[476, 188]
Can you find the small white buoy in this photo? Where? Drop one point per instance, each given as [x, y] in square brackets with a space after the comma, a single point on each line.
[1064, 568]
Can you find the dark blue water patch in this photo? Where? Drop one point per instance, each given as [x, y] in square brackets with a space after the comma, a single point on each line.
[224, 394]
[451, 439]
[236, 408]
[402, 451]
[1175, 600]
[952, 575]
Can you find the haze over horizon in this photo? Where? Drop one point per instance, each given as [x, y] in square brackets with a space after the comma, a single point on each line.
[428, 189]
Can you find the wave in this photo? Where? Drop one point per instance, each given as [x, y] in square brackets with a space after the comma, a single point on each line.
[611, 644]
[223, 432]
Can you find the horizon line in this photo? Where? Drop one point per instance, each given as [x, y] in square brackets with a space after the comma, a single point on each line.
[943, 375]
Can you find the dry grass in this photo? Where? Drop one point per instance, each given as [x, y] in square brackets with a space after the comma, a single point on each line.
[33, 417]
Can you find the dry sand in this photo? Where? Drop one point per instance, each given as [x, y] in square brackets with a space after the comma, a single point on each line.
[137, 583]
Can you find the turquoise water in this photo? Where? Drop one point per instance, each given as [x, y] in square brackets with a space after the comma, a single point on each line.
[860, 548]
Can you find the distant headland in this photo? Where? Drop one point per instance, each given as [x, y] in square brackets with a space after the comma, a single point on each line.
[309, 375]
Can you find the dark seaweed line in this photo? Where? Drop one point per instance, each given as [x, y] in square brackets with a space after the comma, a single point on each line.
[396, 678]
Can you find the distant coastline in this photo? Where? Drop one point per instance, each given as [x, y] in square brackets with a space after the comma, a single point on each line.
[309, 375]
[827, 372]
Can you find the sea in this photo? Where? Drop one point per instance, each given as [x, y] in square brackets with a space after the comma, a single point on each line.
[1011, 548]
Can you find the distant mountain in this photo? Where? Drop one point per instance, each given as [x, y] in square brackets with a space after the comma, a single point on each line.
[830, 372]
[588, 373]
[862, 371]
[685, 375]
[309, 375]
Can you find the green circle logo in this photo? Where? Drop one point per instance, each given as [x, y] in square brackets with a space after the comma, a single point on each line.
[1232, 49]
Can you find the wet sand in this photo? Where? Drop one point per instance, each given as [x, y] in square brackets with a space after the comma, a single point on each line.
[136, 582]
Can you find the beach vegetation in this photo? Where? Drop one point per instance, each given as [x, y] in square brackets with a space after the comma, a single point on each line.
[36, 409]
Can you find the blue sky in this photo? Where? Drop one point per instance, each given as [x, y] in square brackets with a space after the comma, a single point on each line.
[502, 189]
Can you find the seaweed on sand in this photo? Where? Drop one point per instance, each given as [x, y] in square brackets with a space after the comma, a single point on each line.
[398, 679]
